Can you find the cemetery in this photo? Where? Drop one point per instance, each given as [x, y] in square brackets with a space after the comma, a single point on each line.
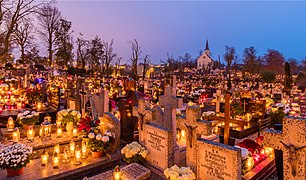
[80, 113]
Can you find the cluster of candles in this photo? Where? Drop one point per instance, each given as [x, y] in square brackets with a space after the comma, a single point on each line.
[72, 151]
[10, 101]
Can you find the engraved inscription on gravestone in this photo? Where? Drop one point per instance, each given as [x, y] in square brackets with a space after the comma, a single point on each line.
[216, 162]
[157, 144]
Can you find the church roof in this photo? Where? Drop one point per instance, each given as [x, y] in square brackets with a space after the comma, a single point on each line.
[207, 47]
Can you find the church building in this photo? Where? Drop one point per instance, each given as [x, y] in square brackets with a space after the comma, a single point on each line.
[205, 60]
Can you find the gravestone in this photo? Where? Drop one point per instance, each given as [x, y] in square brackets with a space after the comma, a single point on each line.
[158, 142]
[101, 102]
[292, 141]
[127, 121]
[217, 161]
[111, 123]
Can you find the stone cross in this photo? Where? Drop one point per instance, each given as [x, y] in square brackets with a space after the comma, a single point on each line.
[218, 97]
[144, 114]
[197, 127]
[292, 141]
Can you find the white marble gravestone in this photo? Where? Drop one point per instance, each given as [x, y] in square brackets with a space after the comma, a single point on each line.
[292, 141]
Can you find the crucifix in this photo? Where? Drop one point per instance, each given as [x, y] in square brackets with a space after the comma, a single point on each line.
[190, 130]
[292, 142]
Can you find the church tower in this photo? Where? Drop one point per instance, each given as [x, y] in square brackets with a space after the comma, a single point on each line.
[207, 51]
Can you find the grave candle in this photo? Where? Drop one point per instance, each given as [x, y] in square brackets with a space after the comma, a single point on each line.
[39, 106]
[19, 105]
[55, 161]
[10, 124]
[44, 158]
[16, 135]
[41, 134]
[72, 147]
[1, 110]
[84, 150]
[31, 134]
[59, 132]
[117, 173]
[77, 157]
[56, 149]
[75, 132]
[66, 155]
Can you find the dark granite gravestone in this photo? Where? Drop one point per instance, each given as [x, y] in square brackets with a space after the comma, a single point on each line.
[128, 122]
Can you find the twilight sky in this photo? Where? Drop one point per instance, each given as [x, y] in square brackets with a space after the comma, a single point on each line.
[177, 27]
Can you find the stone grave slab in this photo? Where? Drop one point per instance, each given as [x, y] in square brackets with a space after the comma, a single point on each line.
[158, 142]
[217, 161]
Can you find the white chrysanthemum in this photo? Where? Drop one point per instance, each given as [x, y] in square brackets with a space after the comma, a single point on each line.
[36, 114]
[74, 113]
[79, 116]
[105, 138]
[29, 116]
[64, 112]
[59, 117]
[144, 153]
[91, 135]
[98, 137]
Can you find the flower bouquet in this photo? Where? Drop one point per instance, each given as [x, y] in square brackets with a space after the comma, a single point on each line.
[14, 157]
[134, 152]
[28, 118]
[99, 143]
[176, 173]
[208, 115]
[86, 124]
[68, 115]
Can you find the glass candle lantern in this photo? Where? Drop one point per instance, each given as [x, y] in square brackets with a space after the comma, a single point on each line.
[1, 110]
[44, 158]
[117, 173]
[66, 154]
[10, 124]
[72, 147]
[56, 160]
[31, 134]
[16, 135]
[84, 149]
[47, 118]
[46, 128]
[59, 132]
[77, 156]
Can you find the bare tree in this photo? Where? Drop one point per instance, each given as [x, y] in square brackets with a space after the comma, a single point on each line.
[229, 56]
[95, 60]
[83, 51]
[118, 62]
[109, 55]
[23, 37]
[146, 62]
[48, 18]
[11, 13]
[136, 51]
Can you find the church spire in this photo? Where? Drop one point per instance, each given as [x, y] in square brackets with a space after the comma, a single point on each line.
[206, 47]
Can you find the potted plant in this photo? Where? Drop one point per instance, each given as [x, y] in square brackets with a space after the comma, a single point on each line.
[134, 152]
[27, 119]
[176, 173]
[99, 143]
[14, 158]
[69, 117]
